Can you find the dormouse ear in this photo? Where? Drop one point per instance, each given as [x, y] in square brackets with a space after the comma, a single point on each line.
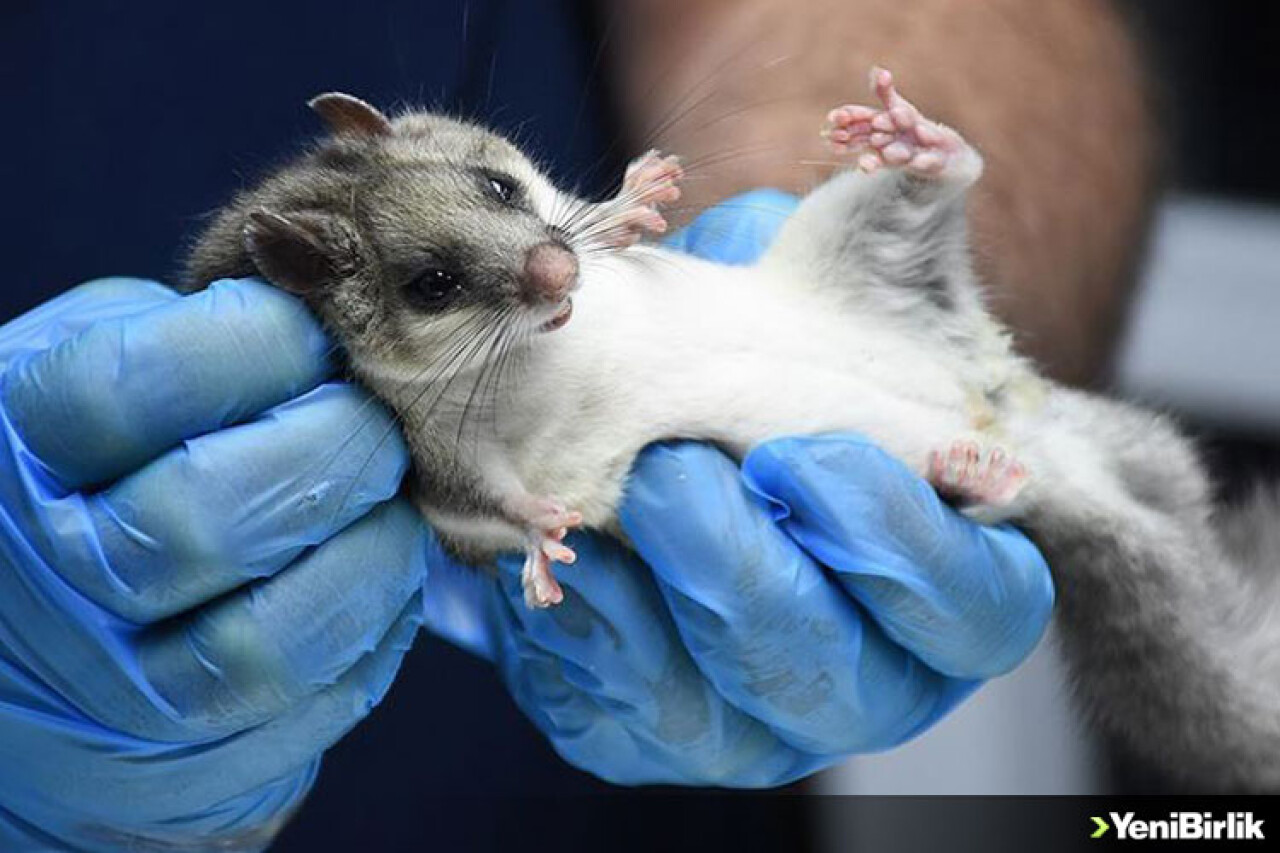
[298, 252]
[350, 116]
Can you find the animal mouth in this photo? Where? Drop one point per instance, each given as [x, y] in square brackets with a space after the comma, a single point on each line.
[562, 316]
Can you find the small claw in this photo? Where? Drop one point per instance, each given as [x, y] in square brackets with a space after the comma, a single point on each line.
[541, 590]
[640, 163]
[881, 79]
[558, 552]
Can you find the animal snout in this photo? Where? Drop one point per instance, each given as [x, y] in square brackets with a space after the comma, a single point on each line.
[550, 272]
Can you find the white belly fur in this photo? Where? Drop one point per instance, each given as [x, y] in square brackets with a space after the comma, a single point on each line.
[733, 355]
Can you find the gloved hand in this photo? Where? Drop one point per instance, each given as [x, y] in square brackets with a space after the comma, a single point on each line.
[205, 577]
[818, 602]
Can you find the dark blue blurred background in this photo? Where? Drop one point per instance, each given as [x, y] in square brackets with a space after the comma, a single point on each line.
[125, 122]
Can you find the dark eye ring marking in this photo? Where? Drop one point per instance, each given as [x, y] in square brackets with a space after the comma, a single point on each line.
[436, 286]
[502, 187]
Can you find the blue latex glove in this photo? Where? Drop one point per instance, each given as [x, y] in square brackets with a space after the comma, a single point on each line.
[818, 602]
[205, 577]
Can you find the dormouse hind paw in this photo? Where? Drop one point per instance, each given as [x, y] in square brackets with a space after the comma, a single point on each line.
[984, 480]
[895, 134]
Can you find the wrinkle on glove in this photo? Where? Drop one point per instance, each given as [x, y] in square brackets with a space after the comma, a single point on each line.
[206, 575]
[607, 678]
[762, 618]
[908, 558]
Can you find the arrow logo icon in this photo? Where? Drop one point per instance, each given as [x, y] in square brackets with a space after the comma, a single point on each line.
[1103, 826]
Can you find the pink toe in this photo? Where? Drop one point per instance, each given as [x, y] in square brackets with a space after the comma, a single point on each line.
[904, 117]
[556, 552]
[896, 154]
[929, 163]
[928, 134]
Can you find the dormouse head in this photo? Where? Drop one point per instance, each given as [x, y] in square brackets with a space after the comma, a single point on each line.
[413, 237]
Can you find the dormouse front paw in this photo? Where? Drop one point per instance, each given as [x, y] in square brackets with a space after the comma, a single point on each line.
[651, 181]
[547, 522]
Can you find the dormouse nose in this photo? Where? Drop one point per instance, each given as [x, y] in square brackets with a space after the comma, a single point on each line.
[550, 272]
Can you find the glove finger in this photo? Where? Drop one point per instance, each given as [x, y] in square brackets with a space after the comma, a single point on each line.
[118, 394]
[249, 657]
[737, 230]
[605, 677]
[70, 313]
[237, 504]
[458, 603]
[969, 601]
[293, 739]
[763, 621]
[220, 782]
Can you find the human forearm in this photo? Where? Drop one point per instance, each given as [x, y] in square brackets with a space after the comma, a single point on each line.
[1050, 92]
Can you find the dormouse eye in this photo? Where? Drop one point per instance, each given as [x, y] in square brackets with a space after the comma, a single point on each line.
[502, 188]
[435, 286]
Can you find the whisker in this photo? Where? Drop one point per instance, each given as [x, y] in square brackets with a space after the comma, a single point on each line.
[370, 401]
[460, 343]
[485, 363]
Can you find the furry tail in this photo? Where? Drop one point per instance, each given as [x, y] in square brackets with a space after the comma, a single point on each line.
[1172, 630]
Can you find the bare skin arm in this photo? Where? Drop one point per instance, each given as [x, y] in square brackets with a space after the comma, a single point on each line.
[1052, 93]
